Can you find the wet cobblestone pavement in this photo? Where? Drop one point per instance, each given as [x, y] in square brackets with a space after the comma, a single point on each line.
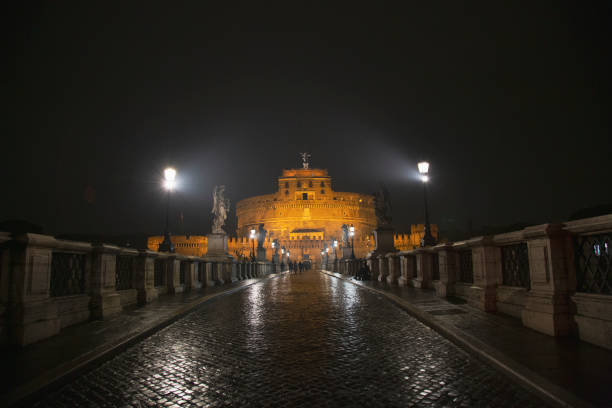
[298, 340]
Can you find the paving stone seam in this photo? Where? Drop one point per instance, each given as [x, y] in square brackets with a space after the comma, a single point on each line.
[60, 375]
[525, 376]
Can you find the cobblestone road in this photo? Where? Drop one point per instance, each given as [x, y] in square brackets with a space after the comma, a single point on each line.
[299, 340]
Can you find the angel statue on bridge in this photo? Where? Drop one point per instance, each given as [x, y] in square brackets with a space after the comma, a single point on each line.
[221, 206]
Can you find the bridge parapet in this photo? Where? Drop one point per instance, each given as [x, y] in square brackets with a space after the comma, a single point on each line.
[47, 284]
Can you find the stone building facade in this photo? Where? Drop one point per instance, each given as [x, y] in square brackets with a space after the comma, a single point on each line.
[305, 215]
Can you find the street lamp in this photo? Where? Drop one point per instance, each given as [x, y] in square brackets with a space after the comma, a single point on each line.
[352, 235]
[169, 183]
[253, 240]
[428, 239]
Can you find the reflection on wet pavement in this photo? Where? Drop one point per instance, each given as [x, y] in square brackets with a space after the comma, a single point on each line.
[299, 340]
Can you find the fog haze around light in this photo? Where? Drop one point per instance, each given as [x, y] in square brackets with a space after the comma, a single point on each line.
[509, 103]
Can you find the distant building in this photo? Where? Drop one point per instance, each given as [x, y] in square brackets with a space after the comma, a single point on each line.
[304, 214]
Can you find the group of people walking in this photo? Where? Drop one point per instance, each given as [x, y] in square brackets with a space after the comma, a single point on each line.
[298, 266]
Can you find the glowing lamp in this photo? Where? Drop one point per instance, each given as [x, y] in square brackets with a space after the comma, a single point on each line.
[335, 243]
[169, 178]
[252, 234]
[423, 167]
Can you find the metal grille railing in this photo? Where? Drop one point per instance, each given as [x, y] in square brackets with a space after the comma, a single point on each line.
[466, 268]
[435, 267]
[515, 265]
[67, 274]
[201, 270]
[158, 272]
[183, 272]
[124, 275]
[593, 255]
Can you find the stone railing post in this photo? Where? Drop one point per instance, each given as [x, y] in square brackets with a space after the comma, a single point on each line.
[486, 261]
[34, 315]
[219, 273]
[547, 305]
[190, 273]
[199, 270]
[383, 268]
[373, 266]
[448, 264]
[209, 274]
[234, 273]
[173, 267]
[105, 301]
[424, 269]
[393, 260]
[408, 268]
[145, 270]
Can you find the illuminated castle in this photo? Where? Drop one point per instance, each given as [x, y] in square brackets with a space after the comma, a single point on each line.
[304, 214]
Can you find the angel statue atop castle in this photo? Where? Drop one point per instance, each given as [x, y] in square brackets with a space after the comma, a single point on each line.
[305, 160]
[221, 206]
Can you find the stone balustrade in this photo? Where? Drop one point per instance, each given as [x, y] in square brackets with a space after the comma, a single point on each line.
[47, 284]
[556, 278]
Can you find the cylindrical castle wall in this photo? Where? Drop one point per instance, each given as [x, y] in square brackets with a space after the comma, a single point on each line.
[281, 217]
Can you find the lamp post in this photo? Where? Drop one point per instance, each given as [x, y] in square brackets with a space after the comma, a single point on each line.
[428, 239]
[352, 235]
[253, 241]
[169, 183]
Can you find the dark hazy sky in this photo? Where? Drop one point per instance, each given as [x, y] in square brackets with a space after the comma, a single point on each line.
[509, 101]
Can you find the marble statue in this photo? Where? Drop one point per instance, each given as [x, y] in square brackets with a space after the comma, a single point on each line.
[382, 207]
[261, 236]
[221, 206]
[345, 235]
[305, 160]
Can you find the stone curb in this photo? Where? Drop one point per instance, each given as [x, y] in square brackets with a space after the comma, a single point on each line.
[549, 391]
[24, 394]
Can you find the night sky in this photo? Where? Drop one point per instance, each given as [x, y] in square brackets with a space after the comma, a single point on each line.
[509, 101]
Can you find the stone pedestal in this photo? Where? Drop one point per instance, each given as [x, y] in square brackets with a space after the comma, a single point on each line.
[408, 269]
[393, 261]
[346, 252]
[383, 238]
[448, 264]
[35, 315]
[217, 245]
[424, 270]
[372, 261]
[105, 301]
[547, 304]
[261, 254]
[383, 268]
[486, 261]
[145, 266]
